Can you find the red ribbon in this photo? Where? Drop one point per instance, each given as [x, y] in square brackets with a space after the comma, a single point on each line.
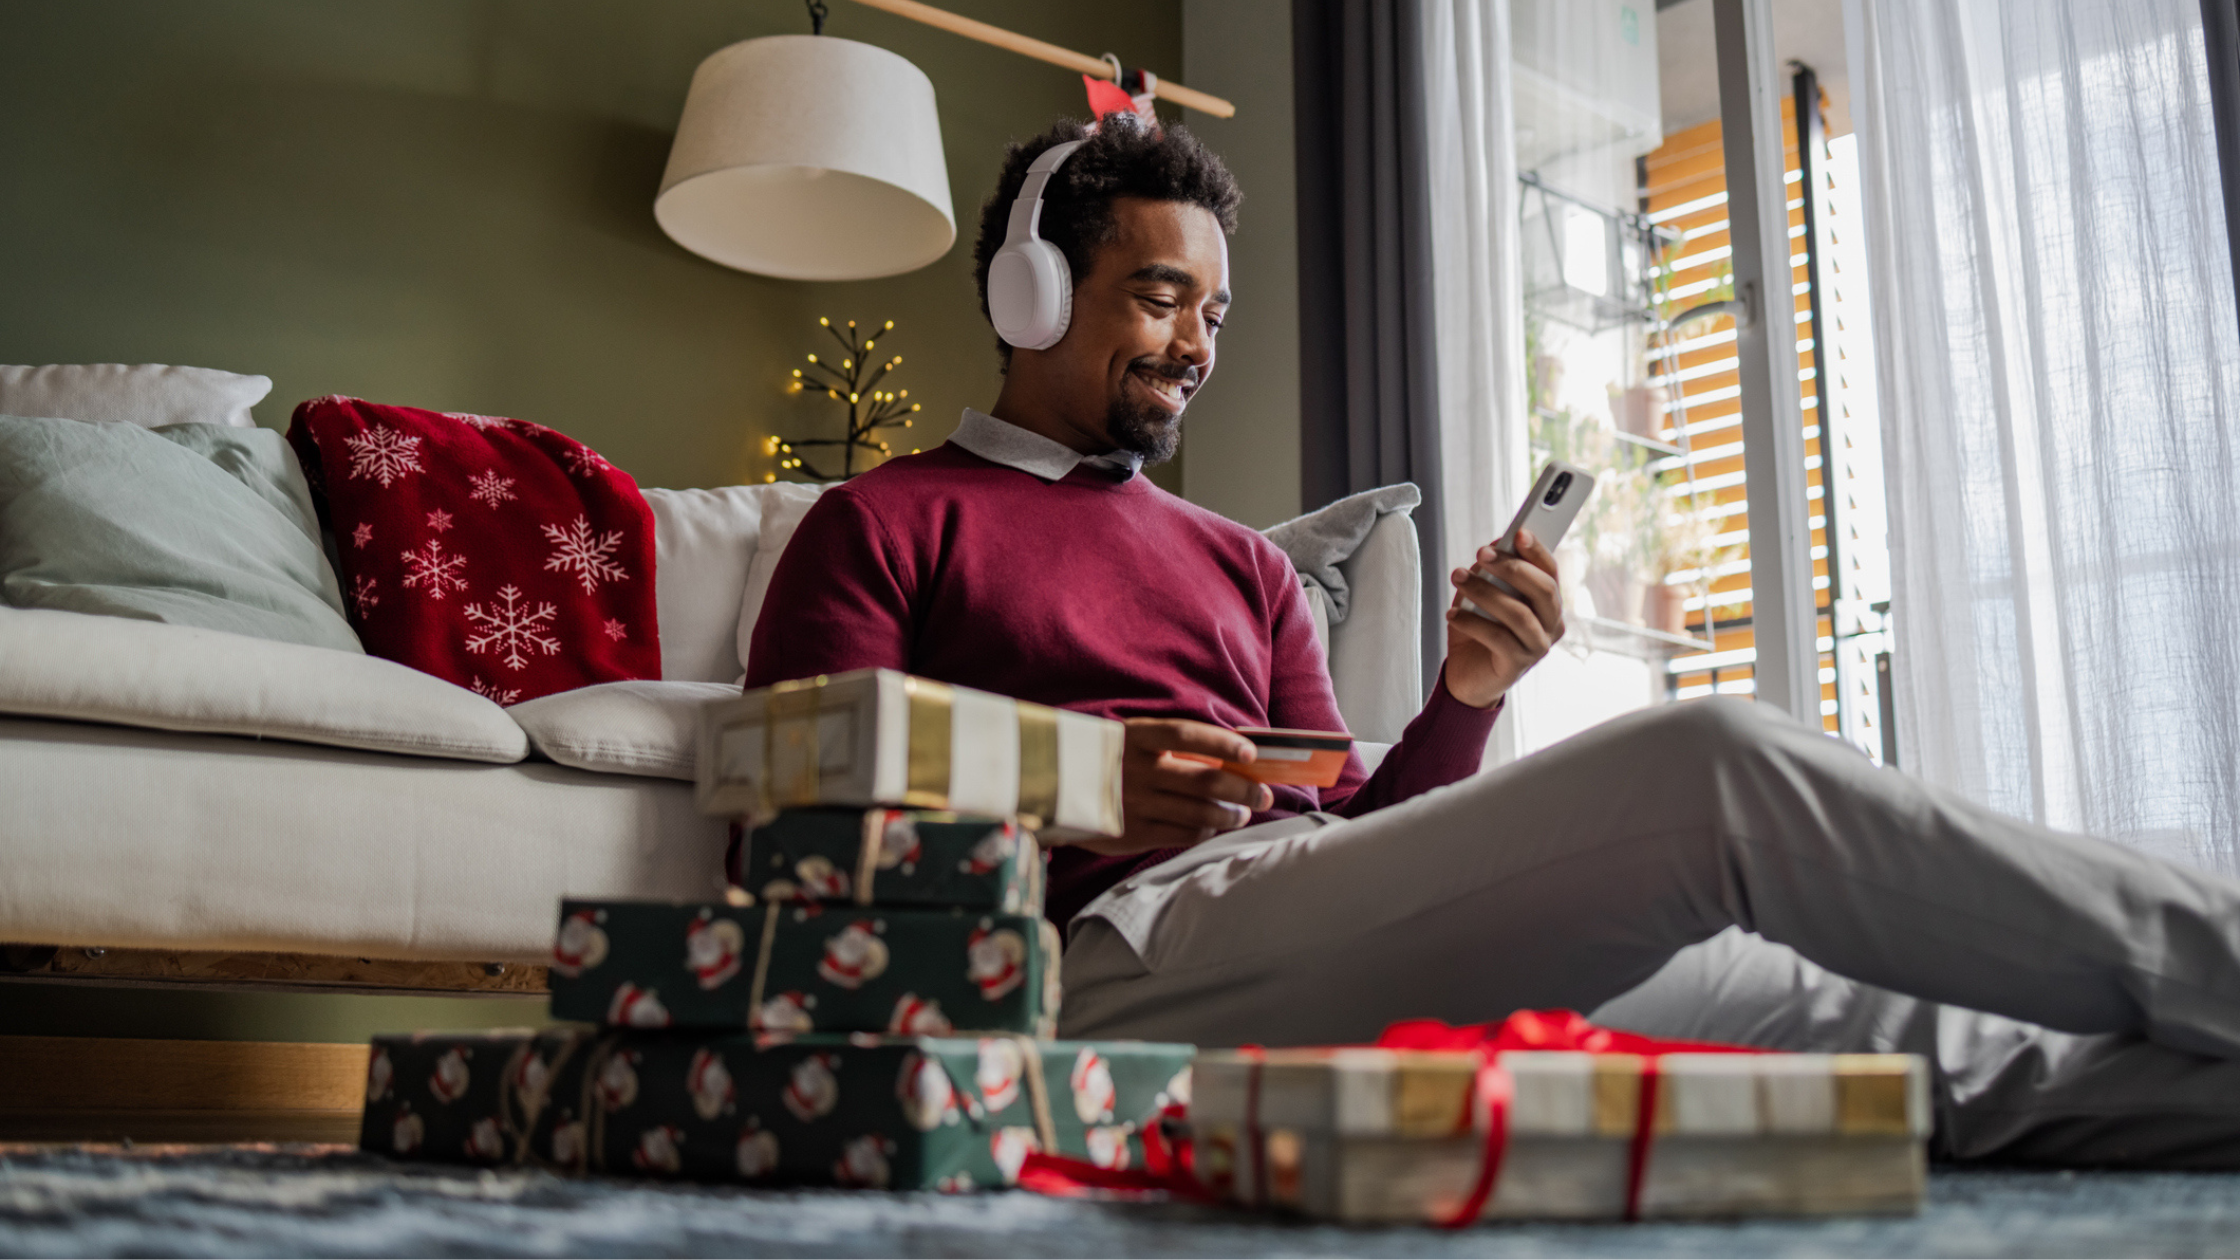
[1169, 1160]
[1543, 1030]
[1167, 1168]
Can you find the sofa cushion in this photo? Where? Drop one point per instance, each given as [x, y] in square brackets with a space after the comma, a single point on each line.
[703, 544]
[784, 504]
[650, 728]
[145, 394]
[179, 678]
[192, 524]
[158, 840]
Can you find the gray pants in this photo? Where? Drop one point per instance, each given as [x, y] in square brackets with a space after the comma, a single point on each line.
[1715, 870]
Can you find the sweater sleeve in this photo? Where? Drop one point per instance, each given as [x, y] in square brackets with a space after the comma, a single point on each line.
[1444, 743]
[846, 595]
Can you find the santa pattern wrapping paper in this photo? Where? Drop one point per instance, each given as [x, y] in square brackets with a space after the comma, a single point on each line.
[791, 968]
[891, 857]
[494, 553]
[866, 1111]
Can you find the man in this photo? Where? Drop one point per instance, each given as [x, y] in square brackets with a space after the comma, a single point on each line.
[1676, 868]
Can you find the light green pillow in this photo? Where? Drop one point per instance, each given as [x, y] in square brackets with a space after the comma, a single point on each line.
[191, 524]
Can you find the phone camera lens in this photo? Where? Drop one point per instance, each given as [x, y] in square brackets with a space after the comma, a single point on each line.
[1555, 491]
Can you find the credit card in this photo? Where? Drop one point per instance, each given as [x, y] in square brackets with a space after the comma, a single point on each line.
[1295, 758]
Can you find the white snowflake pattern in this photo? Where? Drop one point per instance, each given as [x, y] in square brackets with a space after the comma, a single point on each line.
[576, 550]
[484, 423]
[512, 628]
[431, 569]
[363, 534]
[383, 454]
[615, 630]
[583, 461]
[491, 488]
[439, 520]
[361, 594]
[500, 695]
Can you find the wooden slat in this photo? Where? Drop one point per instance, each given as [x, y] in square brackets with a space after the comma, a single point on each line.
[91, 1089]
[314, 972]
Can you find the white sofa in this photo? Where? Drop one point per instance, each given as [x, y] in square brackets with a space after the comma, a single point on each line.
[166, 788]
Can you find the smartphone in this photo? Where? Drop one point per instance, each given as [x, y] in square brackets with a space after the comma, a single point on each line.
[1557, 495]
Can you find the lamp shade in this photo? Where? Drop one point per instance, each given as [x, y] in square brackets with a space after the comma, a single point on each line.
[809, 158]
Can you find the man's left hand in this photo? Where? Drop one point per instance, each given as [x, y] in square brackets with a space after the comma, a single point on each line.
[1486, 657]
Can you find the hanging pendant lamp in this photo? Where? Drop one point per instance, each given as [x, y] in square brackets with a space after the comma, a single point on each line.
[807, 157]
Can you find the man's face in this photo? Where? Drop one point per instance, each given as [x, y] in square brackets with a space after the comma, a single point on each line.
[1144, 318]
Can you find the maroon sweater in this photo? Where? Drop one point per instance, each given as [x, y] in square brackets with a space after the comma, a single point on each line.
[1093, 593]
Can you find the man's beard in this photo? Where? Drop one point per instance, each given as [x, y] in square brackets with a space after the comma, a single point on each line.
[1145, 428]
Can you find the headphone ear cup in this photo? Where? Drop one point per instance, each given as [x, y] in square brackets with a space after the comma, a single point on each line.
[1030, 294]
[1061, 282]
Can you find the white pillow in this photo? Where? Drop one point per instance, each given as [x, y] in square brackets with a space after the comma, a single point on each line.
[784, 504]
[703, 542]
[650, 728]
[146, 394]
[181, 678]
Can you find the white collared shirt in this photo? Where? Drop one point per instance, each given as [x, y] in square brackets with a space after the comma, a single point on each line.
[1002, 442]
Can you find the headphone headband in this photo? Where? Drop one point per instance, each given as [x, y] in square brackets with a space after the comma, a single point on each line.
[1026, 212]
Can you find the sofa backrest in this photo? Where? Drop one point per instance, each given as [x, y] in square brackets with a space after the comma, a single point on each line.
[704, 541]
[1376, 653]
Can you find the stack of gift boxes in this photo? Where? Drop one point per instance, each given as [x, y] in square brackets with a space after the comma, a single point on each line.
[874, 1002]
[872, 1005]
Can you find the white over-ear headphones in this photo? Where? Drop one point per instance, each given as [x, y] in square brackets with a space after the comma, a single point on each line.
[1030, 288]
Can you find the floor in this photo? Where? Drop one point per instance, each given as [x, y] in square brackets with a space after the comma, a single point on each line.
[332, 1201]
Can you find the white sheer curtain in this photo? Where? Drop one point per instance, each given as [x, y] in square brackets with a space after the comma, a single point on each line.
[2061, 409]
[1477, 295]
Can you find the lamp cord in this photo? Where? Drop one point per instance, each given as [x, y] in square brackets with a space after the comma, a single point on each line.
[817, 12]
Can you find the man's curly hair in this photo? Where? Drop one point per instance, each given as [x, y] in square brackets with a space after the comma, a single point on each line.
[1123, 158]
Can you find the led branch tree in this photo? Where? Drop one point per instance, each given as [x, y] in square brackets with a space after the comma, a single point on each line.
[853, 383]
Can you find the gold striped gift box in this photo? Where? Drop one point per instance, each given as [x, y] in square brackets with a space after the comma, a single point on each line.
[1370, 1135]
[877, 737]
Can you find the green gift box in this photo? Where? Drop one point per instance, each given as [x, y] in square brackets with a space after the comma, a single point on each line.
[893, 857]
[792, 968]
[451, 1096]
[910, 1113]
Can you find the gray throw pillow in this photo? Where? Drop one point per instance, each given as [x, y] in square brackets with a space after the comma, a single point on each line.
[191, 524]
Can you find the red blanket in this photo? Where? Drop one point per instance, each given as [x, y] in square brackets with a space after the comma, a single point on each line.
[494, 553]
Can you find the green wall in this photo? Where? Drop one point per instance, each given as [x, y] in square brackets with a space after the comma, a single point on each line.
[448, 203]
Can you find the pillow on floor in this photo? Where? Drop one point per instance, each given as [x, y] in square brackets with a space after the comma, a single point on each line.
[495, 554]
[190, 524]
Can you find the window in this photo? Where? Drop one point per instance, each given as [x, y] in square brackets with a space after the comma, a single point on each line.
[1684, 195]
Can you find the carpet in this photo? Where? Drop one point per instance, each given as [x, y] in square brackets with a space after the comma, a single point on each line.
[333, 1201]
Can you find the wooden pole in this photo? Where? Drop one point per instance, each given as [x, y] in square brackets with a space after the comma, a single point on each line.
[1040, 51]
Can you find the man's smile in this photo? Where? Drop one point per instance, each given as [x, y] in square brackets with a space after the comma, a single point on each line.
[1168, 392]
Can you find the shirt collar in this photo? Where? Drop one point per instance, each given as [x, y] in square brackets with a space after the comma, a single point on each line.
[1002, 442]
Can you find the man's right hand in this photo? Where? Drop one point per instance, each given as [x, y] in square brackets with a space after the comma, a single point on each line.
[1172, 803]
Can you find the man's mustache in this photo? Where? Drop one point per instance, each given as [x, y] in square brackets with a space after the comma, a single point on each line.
[1187, 374]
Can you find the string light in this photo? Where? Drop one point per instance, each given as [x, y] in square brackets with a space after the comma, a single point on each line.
[854, 382]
